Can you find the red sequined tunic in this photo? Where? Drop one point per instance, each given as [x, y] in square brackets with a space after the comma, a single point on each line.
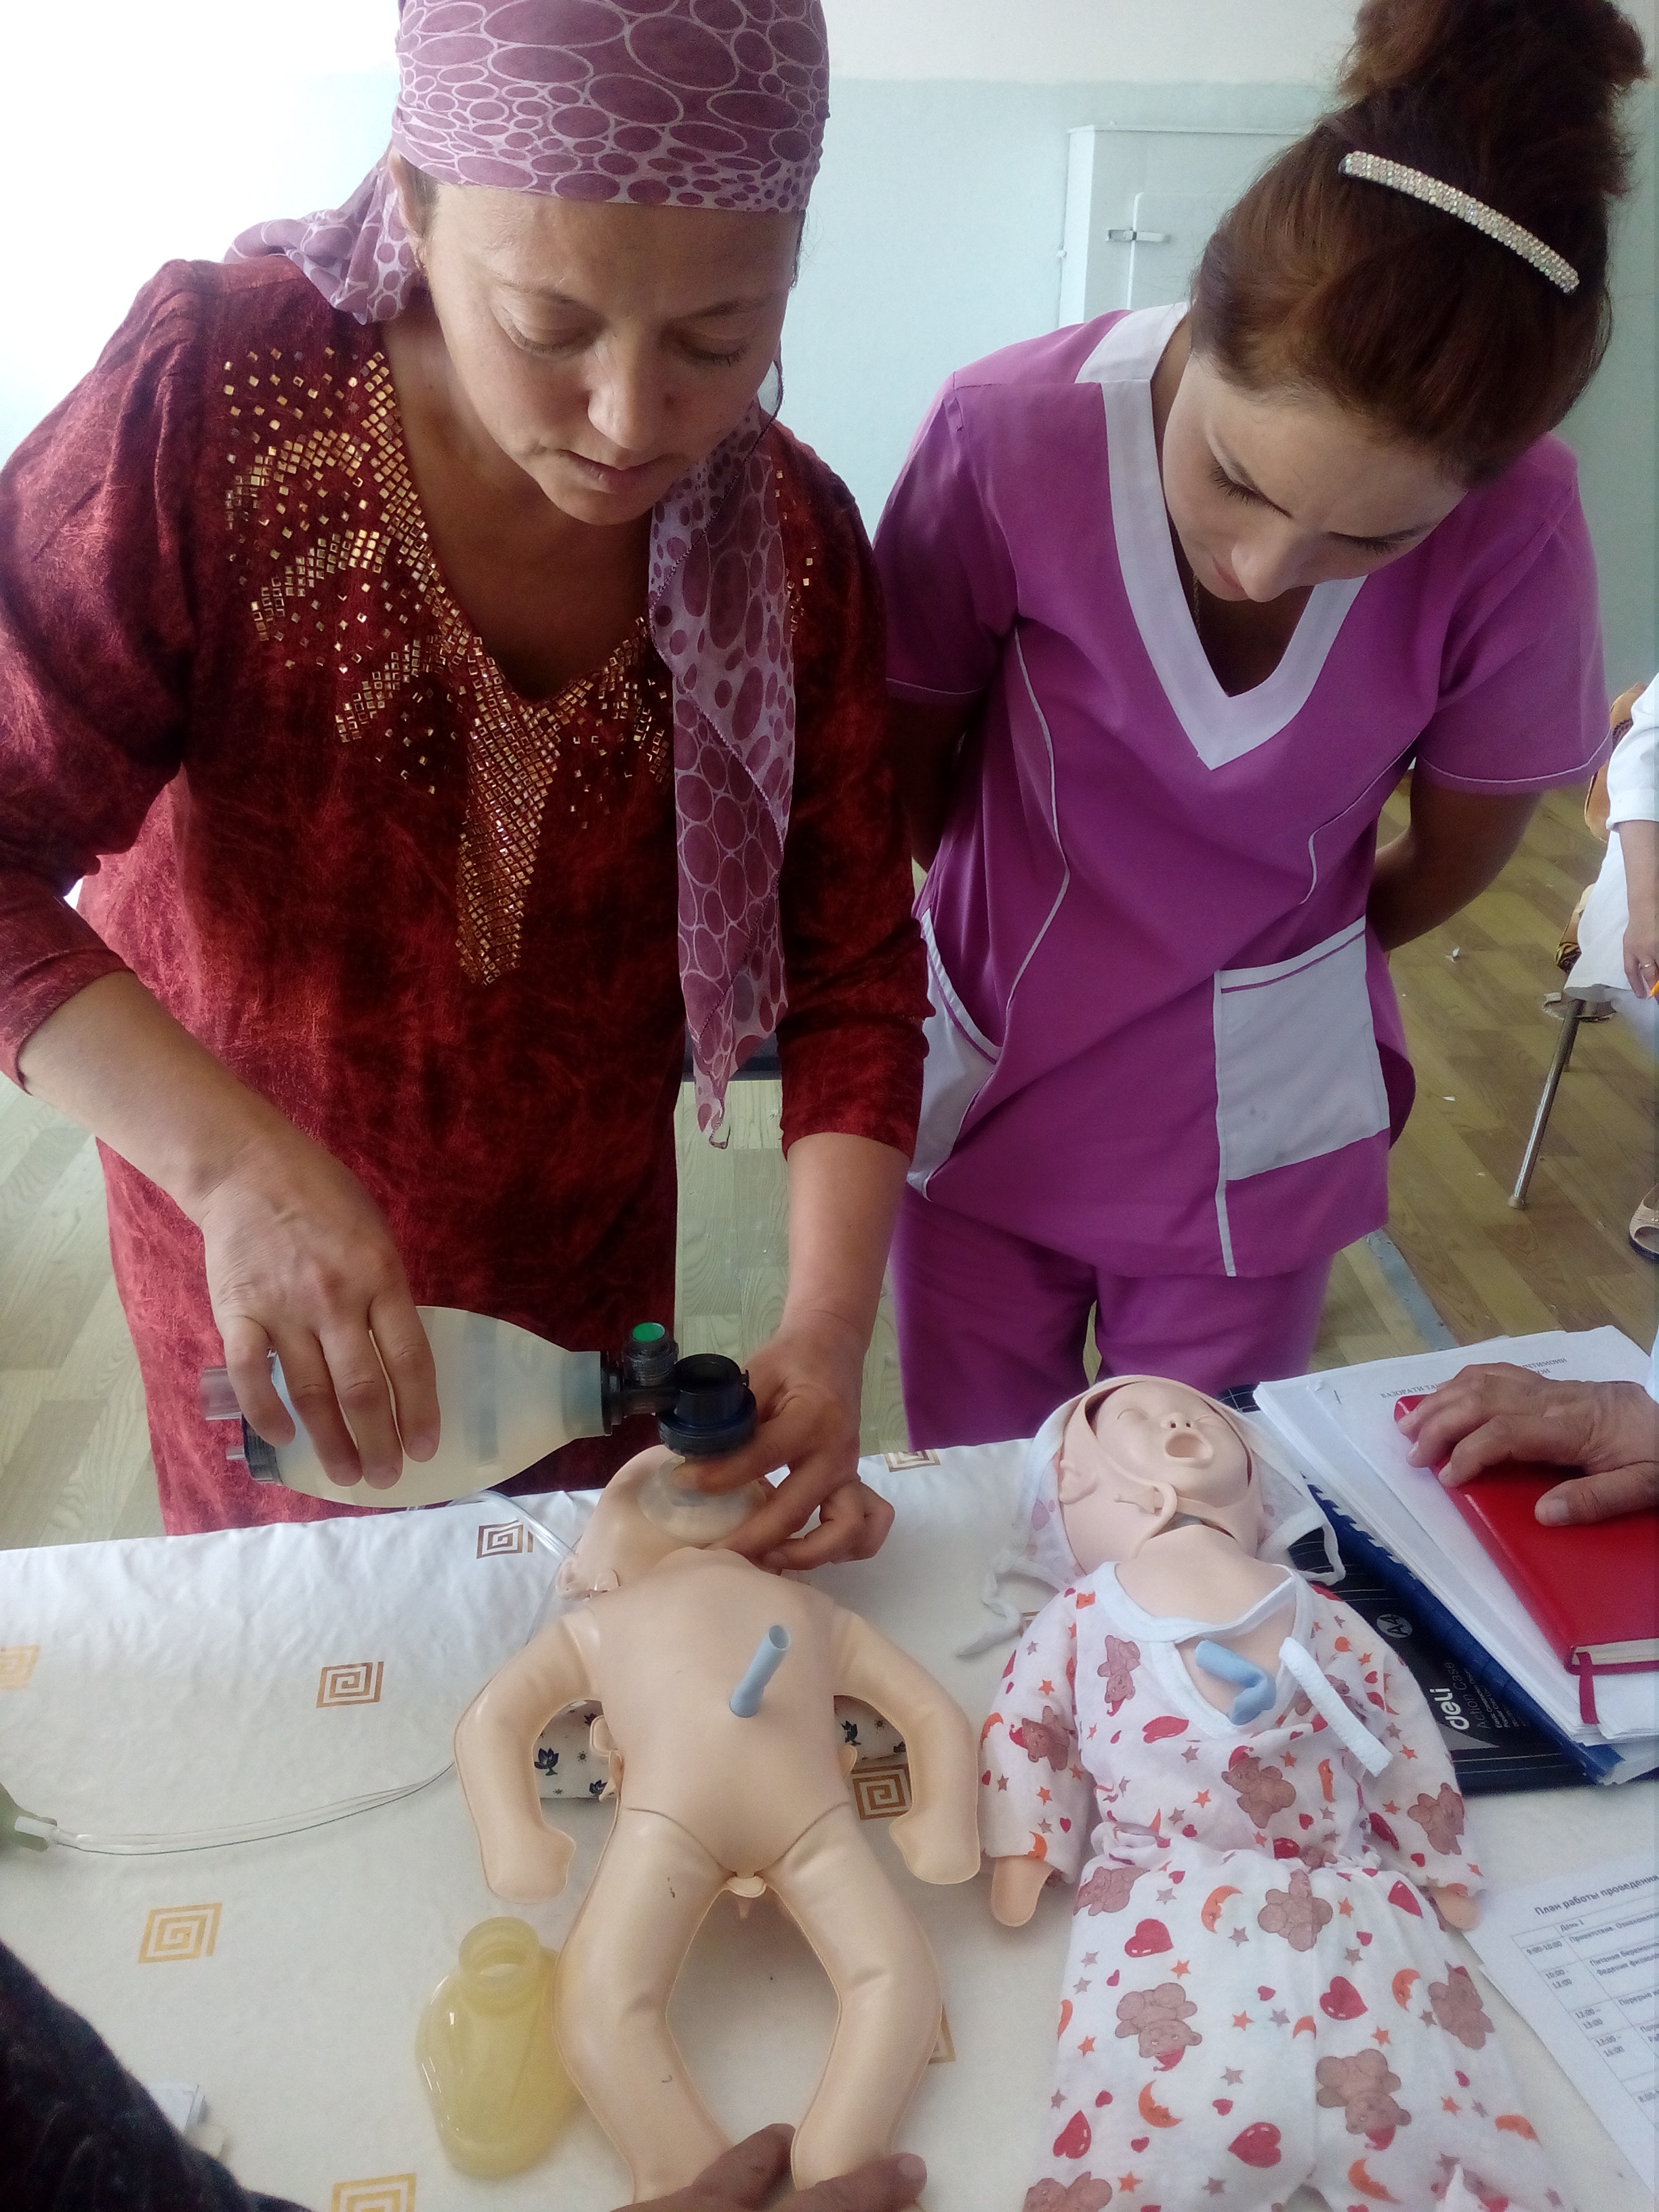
[432, 921]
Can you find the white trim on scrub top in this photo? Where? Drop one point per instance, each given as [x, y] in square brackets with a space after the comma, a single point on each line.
[961, 1059]
[1219, 728]
[1298, 1073]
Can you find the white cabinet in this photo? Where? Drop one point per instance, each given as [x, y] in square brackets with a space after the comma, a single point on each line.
[1140, 203]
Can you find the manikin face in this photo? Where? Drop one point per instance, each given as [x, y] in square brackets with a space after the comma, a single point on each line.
[1270, 492]
[1129, 1460]
[1164, 1433]
[606, 349]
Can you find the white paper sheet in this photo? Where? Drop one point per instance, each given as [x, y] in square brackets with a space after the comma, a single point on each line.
[1577, 1956]
[1343, 1420]
[1369, 1394]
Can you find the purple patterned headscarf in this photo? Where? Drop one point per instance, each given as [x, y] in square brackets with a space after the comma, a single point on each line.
[684, 103]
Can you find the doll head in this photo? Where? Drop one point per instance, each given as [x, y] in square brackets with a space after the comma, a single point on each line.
[648, 1510]
[1138, 1455]
[1054, 1539]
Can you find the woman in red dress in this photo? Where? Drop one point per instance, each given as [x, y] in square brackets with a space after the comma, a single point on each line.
[454, 688]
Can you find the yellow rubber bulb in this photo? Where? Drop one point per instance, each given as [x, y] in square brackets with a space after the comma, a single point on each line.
[495, 2080]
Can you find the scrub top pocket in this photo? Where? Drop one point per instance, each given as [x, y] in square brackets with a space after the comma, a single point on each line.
[1298, 1073]
[961, 1061]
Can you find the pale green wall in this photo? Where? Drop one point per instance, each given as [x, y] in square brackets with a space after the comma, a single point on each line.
[933, 238]
[1612, 431]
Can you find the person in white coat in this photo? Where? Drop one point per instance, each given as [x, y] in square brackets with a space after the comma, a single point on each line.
[1618, 929]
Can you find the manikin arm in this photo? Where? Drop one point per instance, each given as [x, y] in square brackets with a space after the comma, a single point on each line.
[1414, 1810]
[1016, 1886]
[1036, 1799]
[939, 1836]
[524, 1858]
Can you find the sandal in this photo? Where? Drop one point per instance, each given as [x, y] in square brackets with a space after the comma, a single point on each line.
[1644, 1226]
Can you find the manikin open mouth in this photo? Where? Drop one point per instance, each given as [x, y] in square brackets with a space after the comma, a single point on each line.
[1182, 1444]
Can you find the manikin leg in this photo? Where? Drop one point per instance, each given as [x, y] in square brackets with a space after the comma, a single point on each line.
[654, 1887]
[883, 1973]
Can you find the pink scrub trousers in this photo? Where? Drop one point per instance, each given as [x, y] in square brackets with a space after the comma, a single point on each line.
[990, 1328]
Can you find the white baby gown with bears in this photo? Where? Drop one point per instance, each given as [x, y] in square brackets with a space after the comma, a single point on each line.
[1257, 1994]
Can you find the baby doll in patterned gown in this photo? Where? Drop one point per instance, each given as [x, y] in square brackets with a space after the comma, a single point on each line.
[1259, 1992]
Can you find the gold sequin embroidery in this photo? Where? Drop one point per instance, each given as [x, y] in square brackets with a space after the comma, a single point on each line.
[321, 505]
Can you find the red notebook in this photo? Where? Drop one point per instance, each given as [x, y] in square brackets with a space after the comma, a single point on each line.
[1592, 1587]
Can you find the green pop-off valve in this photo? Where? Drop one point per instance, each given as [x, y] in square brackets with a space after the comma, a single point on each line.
[639, 1379]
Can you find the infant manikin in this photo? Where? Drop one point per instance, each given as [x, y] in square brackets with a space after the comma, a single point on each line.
[1258, 1991]
[708, 1801]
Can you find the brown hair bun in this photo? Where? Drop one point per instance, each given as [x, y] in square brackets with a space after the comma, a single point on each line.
[1403, 312]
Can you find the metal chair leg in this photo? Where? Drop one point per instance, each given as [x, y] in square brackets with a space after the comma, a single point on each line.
[1572, 1012]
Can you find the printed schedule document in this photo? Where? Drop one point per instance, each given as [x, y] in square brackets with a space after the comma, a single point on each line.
[1577, 1956]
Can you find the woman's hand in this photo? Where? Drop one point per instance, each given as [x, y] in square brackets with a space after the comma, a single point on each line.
[298, 1258]
[1486, 1416]
[743, 2178]
[1642, 956]
[808, 1381]
[300, 1262]
[1639, 843]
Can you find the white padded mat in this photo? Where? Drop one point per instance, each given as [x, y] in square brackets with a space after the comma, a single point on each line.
[193, 1681]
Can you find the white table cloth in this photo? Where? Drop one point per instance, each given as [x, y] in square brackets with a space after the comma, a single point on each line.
[199, 1681]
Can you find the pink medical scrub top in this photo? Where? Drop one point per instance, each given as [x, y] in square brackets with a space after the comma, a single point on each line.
[1163, 1038]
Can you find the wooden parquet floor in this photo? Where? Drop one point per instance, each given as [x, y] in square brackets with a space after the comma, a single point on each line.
[75, 1460]
[1472, 994]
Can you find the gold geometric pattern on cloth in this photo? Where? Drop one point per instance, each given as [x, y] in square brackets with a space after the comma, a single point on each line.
[387, 2192]
[353, 1682]
[323, 489]
[515, 745]
[17, 1664]
[881, 1790]
[944, 2051]
[499, 1540]
[897, 1461]
[175, 1932]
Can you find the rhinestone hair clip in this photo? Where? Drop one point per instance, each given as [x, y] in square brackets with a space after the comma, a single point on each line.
[1429, 190]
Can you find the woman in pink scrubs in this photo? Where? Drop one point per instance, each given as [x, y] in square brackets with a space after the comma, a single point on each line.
[1175, 598]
